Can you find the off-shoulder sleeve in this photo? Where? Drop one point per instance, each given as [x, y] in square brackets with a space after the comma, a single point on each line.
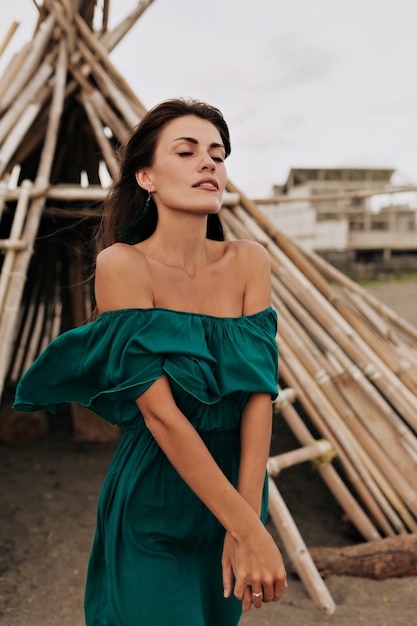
[107, 364]
[97, 365]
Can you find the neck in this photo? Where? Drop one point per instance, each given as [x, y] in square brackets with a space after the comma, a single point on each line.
[180, 241]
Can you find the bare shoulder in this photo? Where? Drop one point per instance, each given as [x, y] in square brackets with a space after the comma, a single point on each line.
[122, 278]
[250, 255]
[253, 266]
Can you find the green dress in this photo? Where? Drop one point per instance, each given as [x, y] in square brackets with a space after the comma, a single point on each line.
[156, 557]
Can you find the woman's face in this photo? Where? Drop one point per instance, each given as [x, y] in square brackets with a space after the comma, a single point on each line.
[188, 171]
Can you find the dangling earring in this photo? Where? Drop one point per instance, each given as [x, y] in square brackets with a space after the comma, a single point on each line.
[147, 206]
[142, 227]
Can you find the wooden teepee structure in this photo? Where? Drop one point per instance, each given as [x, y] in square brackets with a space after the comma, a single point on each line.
[64, 109]
[348, 364]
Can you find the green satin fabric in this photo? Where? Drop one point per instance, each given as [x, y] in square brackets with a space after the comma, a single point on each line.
[157, 549]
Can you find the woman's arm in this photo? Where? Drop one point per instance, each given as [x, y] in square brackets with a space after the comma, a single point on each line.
[253, 557]
[255, 443]
[256, 422]
[191, 458]
[255, 435]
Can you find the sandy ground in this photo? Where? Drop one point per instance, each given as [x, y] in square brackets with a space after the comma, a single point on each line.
[49, 492]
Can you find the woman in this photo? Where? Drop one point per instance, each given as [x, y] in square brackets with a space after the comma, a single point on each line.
[183, 357]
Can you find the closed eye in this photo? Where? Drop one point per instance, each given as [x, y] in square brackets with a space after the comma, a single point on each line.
[184, 154]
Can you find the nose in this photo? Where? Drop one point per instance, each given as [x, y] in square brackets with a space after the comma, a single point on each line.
[208, 164]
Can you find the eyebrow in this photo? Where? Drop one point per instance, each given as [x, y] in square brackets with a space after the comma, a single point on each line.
[195, 142]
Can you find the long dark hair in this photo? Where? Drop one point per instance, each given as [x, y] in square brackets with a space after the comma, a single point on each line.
[124, 213]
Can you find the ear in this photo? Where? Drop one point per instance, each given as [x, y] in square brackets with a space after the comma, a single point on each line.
[143, 179]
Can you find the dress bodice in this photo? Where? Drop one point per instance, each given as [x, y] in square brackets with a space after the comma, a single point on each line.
[106, 364]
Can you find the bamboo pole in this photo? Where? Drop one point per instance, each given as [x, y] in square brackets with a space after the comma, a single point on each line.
[37, 82]
[57, 106]
[380, 449]
[39, 44]
[106, 113]
[385, 311]
[352, 470]
[383, 449]
[62, 15]
[70, 25]
[30, 142]
[328, 473]
[105, 18]
[109, 88]
[9, 35]
[19, 361]
[379, 477]
[16, 136]
[110, 39]
[352, 406]
[317, 450]
[378, 323]
[13, 67]
[312, 290]
[378, 406]
[101, 138]
[297, 551]
[67, 191]
[341, 437]
[374, 495]
[14, 294]
[3, 193]
[15, 234]
[386, 351]
[101, 52]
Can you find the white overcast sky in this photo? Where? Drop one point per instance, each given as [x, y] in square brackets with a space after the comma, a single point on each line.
[302, 83]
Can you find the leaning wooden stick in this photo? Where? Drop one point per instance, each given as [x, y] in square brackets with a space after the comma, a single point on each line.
[298, 552]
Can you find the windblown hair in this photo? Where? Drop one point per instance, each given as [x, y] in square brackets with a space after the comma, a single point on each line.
[124, 206]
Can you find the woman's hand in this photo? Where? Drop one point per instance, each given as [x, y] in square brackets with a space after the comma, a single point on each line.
[258, 568]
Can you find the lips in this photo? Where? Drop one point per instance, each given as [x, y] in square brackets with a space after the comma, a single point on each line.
[207, 183]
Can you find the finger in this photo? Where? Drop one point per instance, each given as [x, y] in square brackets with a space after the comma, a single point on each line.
[247, 599]
[269, 593]
[280, 587]
[240, 586]
[227, 575]
[257, 597]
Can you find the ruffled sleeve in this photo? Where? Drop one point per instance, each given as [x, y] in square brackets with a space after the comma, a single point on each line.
[107, 364]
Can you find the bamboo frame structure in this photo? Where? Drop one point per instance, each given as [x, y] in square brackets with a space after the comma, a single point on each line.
[348, 364]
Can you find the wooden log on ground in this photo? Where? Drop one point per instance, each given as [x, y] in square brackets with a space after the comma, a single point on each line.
[392, 557]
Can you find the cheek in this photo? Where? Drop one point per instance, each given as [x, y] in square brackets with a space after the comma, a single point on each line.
[223, 178]
[167, 180]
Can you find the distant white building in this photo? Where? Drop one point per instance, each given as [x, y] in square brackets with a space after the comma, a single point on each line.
[345, 210]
